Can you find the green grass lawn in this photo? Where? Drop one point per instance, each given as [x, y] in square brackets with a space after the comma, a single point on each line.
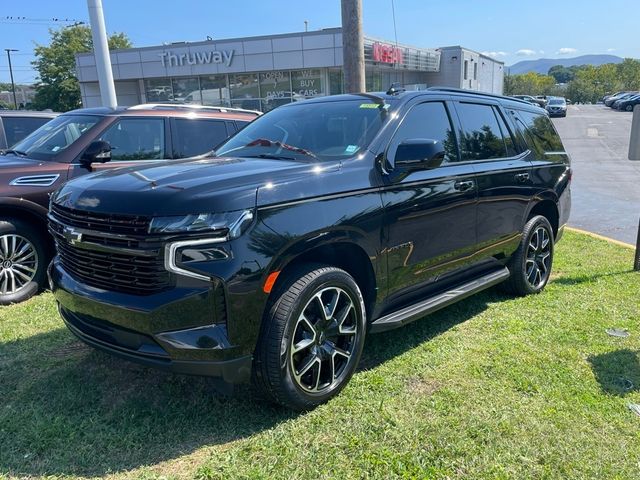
[493, 387]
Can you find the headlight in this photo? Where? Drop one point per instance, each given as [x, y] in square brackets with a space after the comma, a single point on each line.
[233, 224]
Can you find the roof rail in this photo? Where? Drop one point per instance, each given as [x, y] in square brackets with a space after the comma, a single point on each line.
[475, 92]
[189, 106]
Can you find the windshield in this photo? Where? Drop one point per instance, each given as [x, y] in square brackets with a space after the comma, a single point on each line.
[310, 131]
[54, 136]
[556, 101]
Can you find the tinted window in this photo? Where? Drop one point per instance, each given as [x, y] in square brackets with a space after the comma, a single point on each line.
[195, 137]
[55, 136]
[428, 121]
[136, 139]
[540, 133]
[16, 128]
[506, 134]
[481, 137]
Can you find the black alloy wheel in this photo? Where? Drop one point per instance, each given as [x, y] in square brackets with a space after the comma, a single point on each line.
[311, 338]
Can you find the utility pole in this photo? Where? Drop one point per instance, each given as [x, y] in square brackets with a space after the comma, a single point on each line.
[352, 46]
[101, 53]
[13, 85]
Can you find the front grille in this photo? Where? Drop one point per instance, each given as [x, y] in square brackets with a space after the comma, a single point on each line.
[117, 264]
[101, 222]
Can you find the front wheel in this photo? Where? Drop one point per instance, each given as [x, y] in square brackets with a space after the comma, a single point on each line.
[22, 261]
[530, 265]
[311, 339]
[629, 108]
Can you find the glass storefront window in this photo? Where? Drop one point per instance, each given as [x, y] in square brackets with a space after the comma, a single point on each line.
[373, 81]
[245, 91]
[275, 88]
[215, 90]
[307, 83]
[187, 90]
[158, 90]
[335, 82]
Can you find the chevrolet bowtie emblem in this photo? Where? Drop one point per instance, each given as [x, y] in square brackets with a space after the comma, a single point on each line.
[71, 235]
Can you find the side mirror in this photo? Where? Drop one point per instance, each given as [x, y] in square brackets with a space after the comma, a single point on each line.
[97, 151]
[419, 153]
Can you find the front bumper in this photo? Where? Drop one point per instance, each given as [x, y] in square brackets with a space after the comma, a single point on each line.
[172, 330]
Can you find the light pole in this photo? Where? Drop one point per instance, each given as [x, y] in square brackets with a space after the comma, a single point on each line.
[101, 53]
[13, 85]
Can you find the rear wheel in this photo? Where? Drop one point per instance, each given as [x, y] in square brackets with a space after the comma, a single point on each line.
[629, 108]
[312, 338]
[530, 265]
[22, 261]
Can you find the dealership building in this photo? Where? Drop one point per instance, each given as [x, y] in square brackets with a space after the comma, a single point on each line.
[263, 72]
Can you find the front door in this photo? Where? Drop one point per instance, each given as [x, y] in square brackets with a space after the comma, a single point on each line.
[430, 213]
[134, 141]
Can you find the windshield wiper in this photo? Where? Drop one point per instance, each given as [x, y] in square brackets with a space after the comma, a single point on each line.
[17, 153]
[267, 155]
[265, 142]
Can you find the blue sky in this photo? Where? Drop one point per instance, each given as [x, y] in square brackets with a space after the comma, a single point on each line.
[511, 30]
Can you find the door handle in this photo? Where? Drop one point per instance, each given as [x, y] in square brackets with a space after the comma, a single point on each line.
[463, 185]
[522, 177]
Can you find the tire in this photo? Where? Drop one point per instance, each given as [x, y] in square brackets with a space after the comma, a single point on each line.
[329, 343]
[22, 279]
[527, 277]
[629, 108]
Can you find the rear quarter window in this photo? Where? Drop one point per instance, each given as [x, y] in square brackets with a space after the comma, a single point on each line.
[539, 132]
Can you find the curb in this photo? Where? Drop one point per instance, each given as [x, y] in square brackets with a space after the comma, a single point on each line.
[601, 237]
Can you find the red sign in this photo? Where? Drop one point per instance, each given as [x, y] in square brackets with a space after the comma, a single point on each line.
[383, 53]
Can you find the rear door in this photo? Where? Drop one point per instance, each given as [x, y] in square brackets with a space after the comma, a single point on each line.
[195, 136]
[503, 175]
[430, 214]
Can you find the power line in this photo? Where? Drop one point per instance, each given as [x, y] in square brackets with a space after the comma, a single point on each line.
[19, 20]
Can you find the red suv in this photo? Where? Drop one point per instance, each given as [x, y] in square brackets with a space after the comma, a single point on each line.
[79, 142]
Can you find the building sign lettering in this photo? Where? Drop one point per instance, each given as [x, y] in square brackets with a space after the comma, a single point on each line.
[383, 53]
[169, 59]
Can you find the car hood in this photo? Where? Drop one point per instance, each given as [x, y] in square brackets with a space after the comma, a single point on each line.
[178, 187]
[13, 167]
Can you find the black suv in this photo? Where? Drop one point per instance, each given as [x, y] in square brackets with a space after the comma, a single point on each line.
[316, 224]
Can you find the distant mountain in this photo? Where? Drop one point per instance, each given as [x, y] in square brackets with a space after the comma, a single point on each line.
[543, 65]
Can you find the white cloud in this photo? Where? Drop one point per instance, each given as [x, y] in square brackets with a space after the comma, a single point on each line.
[541, 52]
[525, 52]
[566, 51]
[611, 49]
[495, 54]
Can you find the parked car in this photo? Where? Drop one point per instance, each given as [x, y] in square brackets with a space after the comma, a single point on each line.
[616, 104]
[17, 124]
[627, 104]
[526, 98]
[542, 100]
[611, 100]
[320, 222]
[557, 107]
[77, 143]
[606, 97]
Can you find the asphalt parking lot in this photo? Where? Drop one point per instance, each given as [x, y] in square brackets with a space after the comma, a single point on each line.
[606, 186]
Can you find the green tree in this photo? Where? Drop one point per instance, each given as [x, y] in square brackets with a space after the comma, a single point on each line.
[629, 74]
[530, 83]
[58, 87]
[562, 74]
